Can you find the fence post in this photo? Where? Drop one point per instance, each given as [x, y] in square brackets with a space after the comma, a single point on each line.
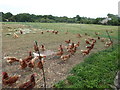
[42, 67]
[109, 38]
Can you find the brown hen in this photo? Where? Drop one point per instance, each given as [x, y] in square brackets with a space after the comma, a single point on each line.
[28, 85]
[6, 80]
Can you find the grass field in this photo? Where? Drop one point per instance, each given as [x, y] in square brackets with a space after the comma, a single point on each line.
[55, 68]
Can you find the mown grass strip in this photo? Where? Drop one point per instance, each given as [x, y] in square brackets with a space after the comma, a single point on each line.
[97, 71]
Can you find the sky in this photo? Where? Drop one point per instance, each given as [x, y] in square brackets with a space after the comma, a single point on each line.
[69, 8]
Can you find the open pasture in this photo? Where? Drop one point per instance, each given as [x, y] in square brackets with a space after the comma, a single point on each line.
[55, 68]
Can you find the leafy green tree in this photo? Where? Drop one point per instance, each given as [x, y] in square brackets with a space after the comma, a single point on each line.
[114, 19]
[26, 17]
[77, 18]
[98, 20]
[23, 17]
[43, 20]
[2, 16]
[71, 20]
[7, 16]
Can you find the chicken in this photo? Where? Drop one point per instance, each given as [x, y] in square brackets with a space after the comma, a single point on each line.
[40, 64]
[91, 39]
[102, 39]
[90, 46]
[71, 46]
[28, 58]
[65, 57]
[72, 51]
[87, 42]
[68, 49]
[11, 59]
[5, 75]
[41, 32]
[56, 32]
[28, 85]
[107, 44]
[42, 48]
[78, 35]
[42, 56]
[67, 42]
[66, 32]
[59, 53]
[60, 48]
[31, 64]
[98, 37]
[47, 31]
[23, 64]
[85, 52]
[30, 53]
[77, 45]
[53, 31]
[15, 35]
[6, 80]
[96, 33]
[94, 41]
[21, 32]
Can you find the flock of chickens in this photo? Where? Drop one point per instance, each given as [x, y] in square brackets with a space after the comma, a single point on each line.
[15, 35]
[29, 61]
[35, 60]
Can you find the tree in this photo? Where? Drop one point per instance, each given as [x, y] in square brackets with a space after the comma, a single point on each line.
[114, 19]
[26, 17]
[71, 20]
[43, 20]
[23, 17]
[3, 19]
[7, 16]
[77, 18]
[98, 20]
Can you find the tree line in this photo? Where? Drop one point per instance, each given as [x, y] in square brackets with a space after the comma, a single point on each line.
[26, 17]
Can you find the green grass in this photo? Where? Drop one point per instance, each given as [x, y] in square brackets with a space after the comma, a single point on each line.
[73, 28]
[97, 71]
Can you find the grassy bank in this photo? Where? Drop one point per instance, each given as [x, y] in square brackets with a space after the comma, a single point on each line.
[97, 71]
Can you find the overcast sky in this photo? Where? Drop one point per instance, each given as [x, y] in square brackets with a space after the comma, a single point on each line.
[70, 8]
